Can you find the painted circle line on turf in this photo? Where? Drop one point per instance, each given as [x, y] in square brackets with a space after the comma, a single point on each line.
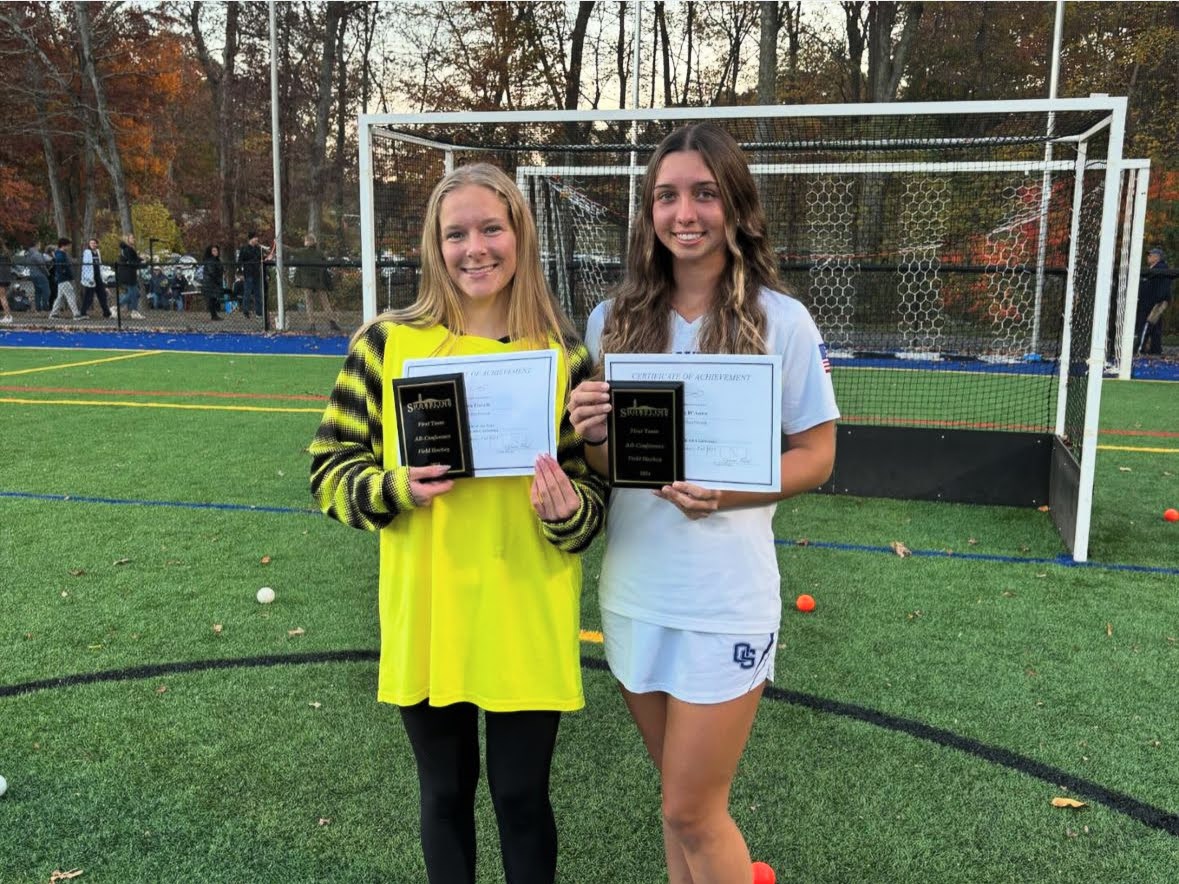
[1147, 814]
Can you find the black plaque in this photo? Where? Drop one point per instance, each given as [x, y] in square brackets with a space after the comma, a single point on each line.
[432, 423]
[646, 433]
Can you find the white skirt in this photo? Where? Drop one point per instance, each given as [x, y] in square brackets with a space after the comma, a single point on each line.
[695, 667]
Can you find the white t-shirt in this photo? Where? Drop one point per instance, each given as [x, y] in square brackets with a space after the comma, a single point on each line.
[720, 573]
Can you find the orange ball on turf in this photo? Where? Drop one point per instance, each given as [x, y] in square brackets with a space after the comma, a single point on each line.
[762, 873]
[1171, 515]
[804, 603]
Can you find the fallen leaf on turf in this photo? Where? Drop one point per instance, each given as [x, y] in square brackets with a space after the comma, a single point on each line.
[972, 542]
[121, 561]
[64, 594]
[77, 572]
[802, 541]
[1109, 630]
[298, 630]
[325, 821]
[1068, 802]
[59, 875]
[315, 704]
[1043, 508]
[266, 560]
[162, 689]
[217, 627]
[900, 549]
[1125, 470]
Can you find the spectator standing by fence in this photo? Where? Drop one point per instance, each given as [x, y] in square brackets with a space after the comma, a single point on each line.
[38, 263]
[212, 280]
[63, 279]
[313, 279]
[127, 275]
[92, 284]
[249, 262]
[1154, 294]
[5, 282]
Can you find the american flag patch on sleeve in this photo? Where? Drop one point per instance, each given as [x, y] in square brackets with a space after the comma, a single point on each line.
[824, 358]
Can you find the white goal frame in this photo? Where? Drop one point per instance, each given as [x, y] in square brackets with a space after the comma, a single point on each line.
[1112, 117]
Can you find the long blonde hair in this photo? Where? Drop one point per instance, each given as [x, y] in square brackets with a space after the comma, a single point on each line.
[533, 314]
[638, 322]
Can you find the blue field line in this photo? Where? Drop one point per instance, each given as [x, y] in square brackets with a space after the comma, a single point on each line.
[188, 342]
[1143, 368]
[1064, 559]
[179, 504]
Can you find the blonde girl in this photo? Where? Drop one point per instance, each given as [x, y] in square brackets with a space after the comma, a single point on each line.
[479, 578]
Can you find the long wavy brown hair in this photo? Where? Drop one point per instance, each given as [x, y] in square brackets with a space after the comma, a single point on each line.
[533, 314]
[735, 323]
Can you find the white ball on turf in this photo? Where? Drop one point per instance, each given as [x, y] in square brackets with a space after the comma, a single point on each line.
[3, 786]
[265, 595]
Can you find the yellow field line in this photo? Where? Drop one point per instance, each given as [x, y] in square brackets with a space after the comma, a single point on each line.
[183, 406]
[136, 355]
[589, 635]
[1142, 450]
[9, 400]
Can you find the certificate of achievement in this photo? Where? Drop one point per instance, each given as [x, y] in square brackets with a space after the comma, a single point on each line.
[732, 414]
[511, 404]
[646, 433]
[432, 424]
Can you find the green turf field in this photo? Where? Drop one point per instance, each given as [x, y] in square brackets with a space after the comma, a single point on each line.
[158, 725]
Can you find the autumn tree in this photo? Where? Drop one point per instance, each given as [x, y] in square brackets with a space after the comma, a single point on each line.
[88, 77]
[220, 77]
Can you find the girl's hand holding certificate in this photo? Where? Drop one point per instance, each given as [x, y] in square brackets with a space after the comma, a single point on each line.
[426, 483]
[589, 405]
[553, 496]
[692, 500]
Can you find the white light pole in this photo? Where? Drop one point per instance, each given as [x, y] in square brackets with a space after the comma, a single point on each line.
[275, 142]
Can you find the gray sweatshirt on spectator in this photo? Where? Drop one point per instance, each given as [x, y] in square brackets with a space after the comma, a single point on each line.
[38, 263]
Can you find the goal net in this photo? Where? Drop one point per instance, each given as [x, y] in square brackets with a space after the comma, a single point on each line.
[958, 258]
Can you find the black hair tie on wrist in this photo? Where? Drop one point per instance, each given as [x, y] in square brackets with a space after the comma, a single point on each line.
[600, 442]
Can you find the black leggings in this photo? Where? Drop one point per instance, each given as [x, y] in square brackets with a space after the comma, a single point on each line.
[88, 294]
[520, 745]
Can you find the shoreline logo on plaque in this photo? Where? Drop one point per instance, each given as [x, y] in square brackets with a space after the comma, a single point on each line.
[433, 424]
[646, 433]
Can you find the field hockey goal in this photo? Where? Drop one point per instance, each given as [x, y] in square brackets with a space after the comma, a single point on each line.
[958, 257]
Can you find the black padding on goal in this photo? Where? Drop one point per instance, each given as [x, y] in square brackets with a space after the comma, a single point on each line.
[1064, 489]
[961, 466]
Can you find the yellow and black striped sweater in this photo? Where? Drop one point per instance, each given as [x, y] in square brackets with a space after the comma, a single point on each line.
[475, 589]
